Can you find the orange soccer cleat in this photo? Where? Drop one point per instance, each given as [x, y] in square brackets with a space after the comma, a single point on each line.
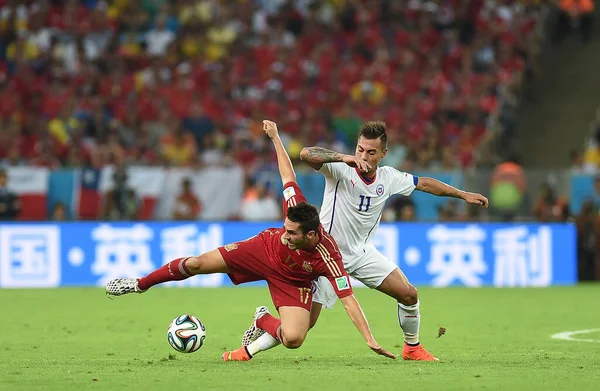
[240, 354]
[418, 353]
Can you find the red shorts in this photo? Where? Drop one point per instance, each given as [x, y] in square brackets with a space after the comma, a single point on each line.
[248, 261]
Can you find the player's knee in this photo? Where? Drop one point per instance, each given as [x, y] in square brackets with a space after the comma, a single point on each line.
[293, 343]
[411, 296]
[293, 340]
[195, 264]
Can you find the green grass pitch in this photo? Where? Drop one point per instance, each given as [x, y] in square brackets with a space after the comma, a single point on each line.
[77, 339]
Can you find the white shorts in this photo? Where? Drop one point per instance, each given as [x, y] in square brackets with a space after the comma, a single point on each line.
[371, 268]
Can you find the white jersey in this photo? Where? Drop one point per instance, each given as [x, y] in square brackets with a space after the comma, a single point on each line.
[352, 207]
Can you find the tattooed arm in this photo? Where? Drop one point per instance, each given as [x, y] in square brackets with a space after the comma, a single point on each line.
[316, 157]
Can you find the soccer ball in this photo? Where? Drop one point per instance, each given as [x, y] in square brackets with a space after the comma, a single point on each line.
[186, 334]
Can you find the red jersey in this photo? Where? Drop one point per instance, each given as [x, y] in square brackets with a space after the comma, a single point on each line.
[301, 265]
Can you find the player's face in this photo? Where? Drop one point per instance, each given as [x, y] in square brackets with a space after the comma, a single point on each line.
[370, 151]
[293, 235]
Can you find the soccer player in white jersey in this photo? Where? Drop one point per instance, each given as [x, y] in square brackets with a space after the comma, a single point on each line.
[356, 191]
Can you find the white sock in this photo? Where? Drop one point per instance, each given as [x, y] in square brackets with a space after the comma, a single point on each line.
[410, 321]
[264, 342]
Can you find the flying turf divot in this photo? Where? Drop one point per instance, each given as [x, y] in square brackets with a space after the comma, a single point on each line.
[568, 335]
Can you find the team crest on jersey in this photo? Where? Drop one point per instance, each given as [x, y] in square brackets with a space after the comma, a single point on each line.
[306, 266]
[379, 190]
[231, 247]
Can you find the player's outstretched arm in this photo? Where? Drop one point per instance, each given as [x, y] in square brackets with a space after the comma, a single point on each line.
[439, 188]
[357, 316]
[317, 156]
[286, 170]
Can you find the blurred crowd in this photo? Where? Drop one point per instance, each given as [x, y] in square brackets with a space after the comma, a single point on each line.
[187, 82]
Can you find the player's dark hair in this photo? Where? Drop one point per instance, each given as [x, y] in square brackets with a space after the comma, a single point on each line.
[306, 215]
[373, 130]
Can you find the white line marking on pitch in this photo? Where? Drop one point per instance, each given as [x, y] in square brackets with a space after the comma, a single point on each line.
[568, 335]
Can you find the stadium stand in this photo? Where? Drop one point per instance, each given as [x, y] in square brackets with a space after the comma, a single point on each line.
[94, 83]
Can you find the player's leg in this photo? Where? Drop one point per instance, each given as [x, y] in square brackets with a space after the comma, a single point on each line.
[264, 341]
[293, 304]
[294, 326]
[255, 340]
[182, 268]
[315, 312]
[176, 270]
[290, 330]
[396, 285]
[378, 272]
[323, 295]
[243, 261]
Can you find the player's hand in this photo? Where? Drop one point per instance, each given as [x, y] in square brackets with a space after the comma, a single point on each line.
[381, 351]
[477, 199]
[353, 161]
[270, 128]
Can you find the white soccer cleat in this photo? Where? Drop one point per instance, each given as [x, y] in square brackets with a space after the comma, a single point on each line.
[253, 332]
[122, 286]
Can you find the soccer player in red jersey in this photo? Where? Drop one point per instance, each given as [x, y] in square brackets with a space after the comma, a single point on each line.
[288, 258]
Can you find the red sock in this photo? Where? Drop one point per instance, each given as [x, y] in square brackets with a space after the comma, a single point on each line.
[172, 271]
[270, 324]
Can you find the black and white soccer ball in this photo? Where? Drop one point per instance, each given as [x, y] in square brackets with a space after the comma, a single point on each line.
[186, 334]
